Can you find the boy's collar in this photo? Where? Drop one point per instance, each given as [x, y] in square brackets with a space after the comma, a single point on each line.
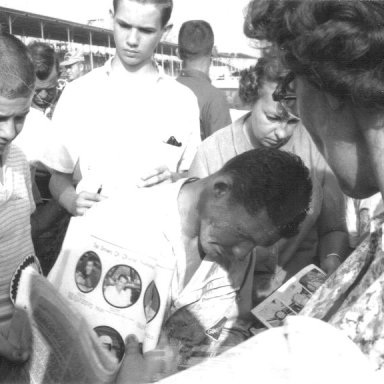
[160, 71]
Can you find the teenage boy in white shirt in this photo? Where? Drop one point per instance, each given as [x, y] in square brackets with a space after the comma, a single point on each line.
[124, 124]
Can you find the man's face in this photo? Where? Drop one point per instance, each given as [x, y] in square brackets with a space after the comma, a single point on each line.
[228, 232]
[121, 282]
[12, 117]
[89, 268]
[45, 91]
[74, 71]
[137, 31]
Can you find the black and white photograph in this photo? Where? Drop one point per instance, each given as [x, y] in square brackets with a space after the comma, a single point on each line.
[313, 280]
[88, 272]
[230, 151]
[122, 286]
[111, 341]
[151, 302]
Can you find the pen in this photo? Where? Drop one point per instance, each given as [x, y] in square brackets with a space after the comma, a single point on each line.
[100, 189]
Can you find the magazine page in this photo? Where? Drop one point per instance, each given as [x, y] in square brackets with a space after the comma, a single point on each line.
[290, 298]
[114, 281]
[64, 347]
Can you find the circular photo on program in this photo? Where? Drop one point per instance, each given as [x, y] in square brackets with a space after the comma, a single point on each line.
[151, 302]
[88, 272]
[122, 286]
[111, 341]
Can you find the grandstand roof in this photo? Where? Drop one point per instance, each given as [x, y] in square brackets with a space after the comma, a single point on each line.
[29, 24]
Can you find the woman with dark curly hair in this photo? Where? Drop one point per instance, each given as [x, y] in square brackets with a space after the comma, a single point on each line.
[335, 50]
[323, 235]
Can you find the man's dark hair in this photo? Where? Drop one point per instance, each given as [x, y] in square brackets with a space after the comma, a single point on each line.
[44, 58]
[124, 276]
[165, 6]
[195, 40]
[17, 75]
[272, 179]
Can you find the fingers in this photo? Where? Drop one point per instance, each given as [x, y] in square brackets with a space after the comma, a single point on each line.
[84, 201]
[156, 176]
[154, 172]
[330, 264]
[133, 369]
[10, 352]
[132, 345]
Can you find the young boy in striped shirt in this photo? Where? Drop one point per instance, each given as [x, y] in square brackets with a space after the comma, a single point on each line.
[17, 81]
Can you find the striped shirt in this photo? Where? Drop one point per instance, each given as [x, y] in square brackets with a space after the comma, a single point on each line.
[16, 206]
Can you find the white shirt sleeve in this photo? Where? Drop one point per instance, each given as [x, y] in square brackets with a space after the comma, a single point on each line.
[63, 153]
[190, 121]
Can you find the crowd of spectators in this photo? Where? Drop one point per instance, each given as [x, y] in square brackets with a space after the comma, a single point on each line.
[239, 206]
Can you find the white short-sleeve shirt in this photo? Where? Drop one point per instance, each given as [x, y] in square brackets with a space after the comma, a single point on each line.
[113, 128]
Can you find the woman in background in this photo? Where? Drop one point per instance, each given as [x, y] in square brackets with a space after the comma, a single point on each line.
[323, 235]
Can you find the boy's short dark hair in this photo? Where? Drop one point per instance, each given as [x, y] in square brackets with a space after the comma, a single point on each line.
[17, 75]
[165, 6]
[275, 180]
[44, 58]
[124, 276]
[196, 39]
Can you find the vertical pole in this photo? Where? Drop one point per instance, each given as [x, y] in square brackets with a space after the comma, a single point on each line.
[10, 24]
[42, 29]
[172, 69]
[109, 46]
[162, 55]
[90, 49]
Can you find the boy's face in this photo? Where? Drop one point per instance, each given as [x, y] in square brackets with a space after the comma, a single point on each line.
[137, 31]
[12, 117]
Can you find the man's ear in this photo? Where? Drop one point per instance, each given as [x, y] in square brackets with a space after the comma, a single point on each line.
[222, 186]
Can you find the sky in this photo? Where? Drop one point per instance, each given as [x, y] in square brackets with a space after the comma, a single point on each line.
[225, 16]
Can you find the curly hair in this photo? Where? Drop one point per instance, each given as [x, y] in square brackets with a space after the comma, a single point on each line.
[268, 69]
[165, 6]
[337, 45]
[272, 179]
[17, 75]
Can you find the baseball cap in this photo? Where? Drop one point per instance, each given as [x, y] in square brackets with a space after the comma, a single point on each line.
[195, 39]
[72, 58]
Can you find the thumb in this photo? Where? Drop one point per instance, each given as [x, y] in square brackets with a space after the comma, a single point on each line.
[133, 368]
[132, 345]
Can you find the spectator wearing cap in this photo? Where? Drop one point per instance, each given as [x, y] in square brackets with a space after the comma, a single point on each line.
[196, 42]
[74, 65]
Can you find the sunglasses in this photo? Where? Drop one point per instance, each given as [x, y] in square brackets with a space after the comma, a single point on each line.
[286, 97]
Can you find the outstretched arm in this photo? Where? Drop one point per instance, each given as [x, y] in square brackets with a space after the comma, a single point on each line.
[63, 190]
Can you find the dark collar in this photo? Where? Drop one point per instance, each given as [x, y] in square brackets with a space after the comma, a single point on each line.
[194, 73]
